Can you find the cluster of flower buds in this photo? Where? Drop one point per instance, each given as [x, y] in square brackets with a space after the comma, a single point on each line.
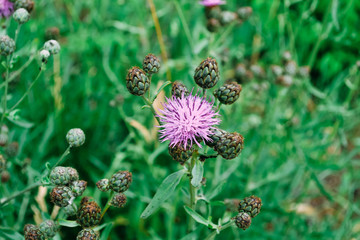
[228, 145]
[88, 216]
[46, 230]
[288, 70]
[68, 185]
[248, 208]
[245, 73]
[138, 80]
[118, 183]
[51, 47]
[216, 17]
[27, 4]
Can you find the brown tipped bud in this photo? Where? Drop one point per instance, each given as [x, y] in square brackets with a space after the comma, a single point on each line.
[228, 93]
[61, 196]
[276, 70]
[119, 200]
[178, 89]
[207, 73]
[2, 163]
[227, 17]
[78, 187]
[151, 64]
[180, 154]
[250, 205]
[12, 149]
[213, 25]
[230, 145]
[52, 33]
[137, 82]
[89, 214]
[243, 220]
[291, 68]
[103, 185]
[244, 13]
[32, 232]
[213, 12]
[27, 4]
[258, 71]
[120, 181]
[5, 177]
[285, 80]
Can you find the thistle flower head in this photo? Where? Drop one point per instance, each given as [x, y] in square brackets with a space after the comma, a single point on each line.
[187, 120]
[212, 3]
[6, 8]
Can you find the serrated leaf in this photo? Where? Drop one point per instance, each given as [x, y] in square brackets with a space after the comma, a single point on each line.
[197, 173]
[68, 223]
[160, 89]
[163, 193]
[197, 217]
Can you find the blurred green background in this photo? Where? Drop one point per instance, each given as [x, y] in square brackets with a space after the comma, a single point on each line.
[302, 142]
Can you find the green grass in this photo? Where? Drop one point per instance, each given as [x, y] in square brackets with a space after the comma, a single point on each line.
[302, 143]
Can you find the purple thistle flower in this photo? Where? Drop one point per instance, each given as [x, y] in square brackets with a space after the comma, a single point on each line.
[187, 119]
[6, 8]
[212, 3]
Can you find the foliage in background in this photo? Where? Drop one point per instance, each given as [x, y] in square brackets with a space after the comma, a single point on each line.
[301, 143]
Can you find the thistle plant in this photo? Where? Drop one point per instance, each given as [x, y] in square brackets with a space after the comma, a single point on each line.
[189, 120]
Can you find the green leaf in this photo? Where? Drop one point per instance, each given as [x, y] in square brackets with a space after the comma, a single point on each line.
[17, 120]
[165, 190]
[145, 106]
[98, 228]
[8, 233]
[105, 234]
[198, 218]
[160, 89]
[216, 191]
[197, 173]
[68, 223]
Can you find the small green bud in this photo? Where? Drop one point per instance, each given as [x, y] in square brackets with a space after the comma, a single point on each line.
[7, 45]
[120, 181]
[137, 82]
[178, 89]
[103, 185]
[119, 200]
[61, 196]
[75, 137]
[230, 145]
[228, 93]
[87, 234]
[180, 154]
[52, 46]
[151, 64]
[60, 176]
[49, 228]
[243, 220]
[78, 187]
[70, 210]
[89, 214]
[74, 175]
[44, 55]
[207, 73]
[21, 16]
[250, 205]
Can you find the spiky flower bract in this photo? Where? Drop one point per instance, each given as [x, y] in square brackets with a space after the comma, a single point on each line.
[187, 120]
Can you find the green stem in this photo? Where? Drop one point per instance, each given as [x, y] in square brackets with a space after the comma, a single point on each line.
[192, 190]
[18, 72]
[29, 188]
[220, 228]
[149, 96]
[4, 105]
[28, 90]
[67, 152]
[184, 24]
[107, 204]
[150, 104]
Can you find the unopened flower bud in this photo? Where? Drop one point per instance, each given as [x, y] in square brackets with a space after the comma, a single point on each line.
[227, 17]
[213, 25]
[89, 214]
[87, 234]
[120, 181]
[216, 135]
[244, 13]
[32, 232]
[70, 210]
[151, 64]
[52, 46]
[119, 200]
[49, 228]
[5, 176]
[207, 73]
[74, 175]
[230, 145]
[44, 55]
[12, 149]
[228, 93]
[103, 185]
[213, 12]
[21, 16]
[243, 220]
[178, 89]
[137, 82]
[250, 205]
[180, 154]
[286, 56]
[60, 176]
[61, 196]
[7, 45]
[285, 80]
[78, 187]
[291, 68]
[27, 4]
[75, 137]
[258, 71]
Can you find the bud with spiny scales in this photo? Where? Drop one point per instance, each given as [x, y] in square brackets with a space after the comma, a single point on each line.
[216, 135]
[230, 146]
[60, 176]
[228, 93]
[151, 64]
[32, 232]
[103, 185]
[119, 200]
[137, 82]
[207, 73]
[250, 205]
[89, 214]
[87, 234]
[49, 228]
[52, 46]
[178, 89]
[21, 16]
[120, 181]
[78, 187]
[27, 4]
[70, 210]
[61, 196]
[243, 220]
[180, 154]
[75, 137]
